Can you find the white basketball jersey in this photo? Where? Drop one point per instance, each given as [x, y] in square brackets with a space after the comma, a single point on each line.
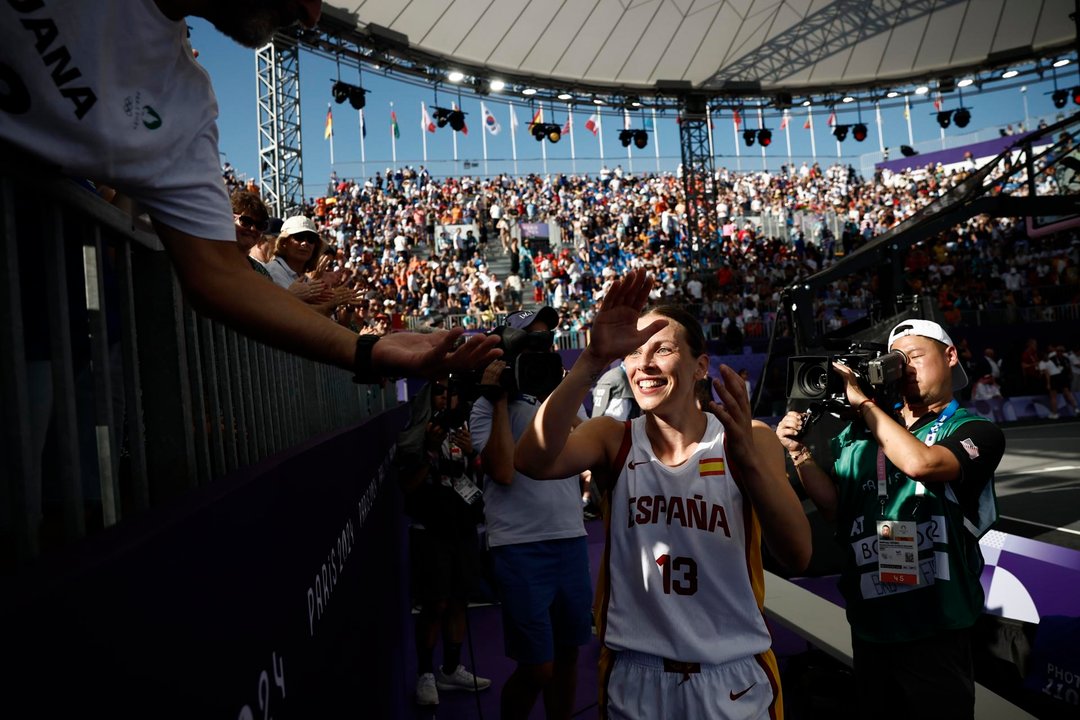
[683, 568]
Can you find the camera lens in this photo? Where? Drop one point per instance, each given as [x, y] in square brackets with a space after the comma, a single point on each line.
[813, 380]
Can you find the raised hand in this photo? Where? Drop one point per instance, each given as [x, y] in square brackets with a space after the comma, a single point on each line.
[734, 414]
[431, 354]
[614, 331]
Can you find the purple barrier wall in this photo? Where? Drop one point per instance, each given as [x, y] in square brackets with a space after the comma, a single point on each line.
[276, 592]
[986, 148]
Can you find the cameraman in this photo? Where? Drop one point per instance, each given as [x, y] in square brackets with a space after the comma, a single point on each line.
[538, 547]
[928, 465]
[436, 460]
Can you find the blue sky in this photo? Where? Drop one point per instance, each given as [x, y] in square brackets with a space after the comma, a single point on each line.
[232, 69]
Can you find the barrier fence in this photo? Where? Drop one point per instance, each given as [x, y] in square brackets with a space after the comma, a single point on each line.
[116, 396]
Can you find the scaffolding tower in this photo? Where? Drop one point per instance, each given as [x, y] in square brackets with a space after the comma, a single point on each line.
[699, 178]
[281, 174]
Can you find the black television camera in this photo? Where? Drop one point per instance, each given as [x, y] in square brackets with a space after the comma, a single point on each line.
[812, 379]
[530, 368]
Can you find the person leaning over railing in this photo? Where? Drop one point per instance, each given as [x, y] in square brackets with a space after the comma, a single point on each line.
[159, 146]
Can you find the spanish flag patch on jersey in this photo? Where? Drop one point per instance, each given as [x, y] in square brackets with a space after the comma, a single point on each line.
[711, 466]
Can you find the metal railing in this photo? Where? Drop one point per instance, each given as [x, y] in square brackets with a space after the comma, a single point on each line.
[116, 396]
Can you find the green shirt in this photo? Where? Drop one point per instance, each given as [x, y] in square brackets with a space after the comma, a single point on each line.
[950, 518]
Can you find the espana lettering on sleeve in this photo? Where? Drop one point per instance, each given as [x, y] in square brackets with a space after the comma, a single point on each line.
[55, 55]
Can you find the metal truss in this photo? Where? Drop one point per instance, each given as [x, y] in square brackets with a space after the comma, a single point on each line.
[699, 182]
[281, 174]
[836, 27]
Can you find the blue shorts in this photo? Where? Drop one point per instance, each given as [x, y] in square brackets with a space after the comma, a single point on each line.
[546, 594]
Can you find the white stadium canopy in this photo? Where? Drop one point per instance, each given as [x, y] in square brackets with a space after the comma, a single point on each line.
[738, 47]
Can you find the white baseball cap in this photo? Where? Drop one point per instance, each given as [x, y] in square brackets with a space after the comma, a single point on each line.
[298, 224]
[930, 329]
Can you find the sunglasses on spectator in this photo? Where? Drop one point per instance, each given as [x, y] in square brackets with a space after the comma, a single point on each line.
[309, 238]
[249, 223]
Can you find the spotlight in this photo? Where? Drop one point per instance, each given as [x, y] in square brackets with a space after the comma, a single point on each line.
[859, 132]
[840, 132]
[764, 137]
[748, 137]
[1076, 95]
[641, 139]
[961, 117]
[908, 151]
[1060, 97]
[626, 137]
[944, 118]
[551, 131]
[340, 91]
[782, 100]
[446, 116]
[355, 94]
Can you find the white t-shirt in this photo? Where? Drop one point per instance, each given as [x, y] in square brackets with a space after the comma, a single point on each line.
[527, 510]
[108, 90]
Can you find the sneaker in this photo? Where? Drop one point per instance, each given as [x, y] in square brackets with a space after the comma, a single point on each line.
[426, 694]
[460, 679]
[1053, 416]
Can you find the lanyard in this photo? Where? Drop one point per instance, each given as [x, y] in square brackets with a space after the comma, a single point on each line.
[931, 438]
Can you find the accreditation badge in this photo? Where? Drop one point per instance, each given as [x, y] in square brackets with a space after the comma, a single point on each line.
[898, 552]
[467, 489]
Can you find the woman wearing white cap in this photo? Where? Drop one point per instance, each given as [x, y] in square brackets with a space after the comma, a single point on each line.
[296, 251]
[925, 471]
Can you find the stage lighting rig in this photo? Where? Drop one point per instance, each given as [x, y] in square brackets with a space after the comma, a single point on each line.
[840, 132]
[961, 117]
[356, 95]
[639, 137]
[551, 131]
[908, 151]
[764, 137]
[448, 116]
[1060, 98]
[748, 137]
[1076, 95]
[944, 118]
[859, 132]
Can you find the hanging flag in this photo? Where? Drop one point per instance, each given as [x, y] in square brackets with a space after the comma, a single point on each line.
[513, 120]
[490, 123]
[736, 118]
[593, 123]
[907, 112]
[807, 125]
[832, 119]
[648, 123]
[538, 117]
[363, 124]
[464, 127]
[937, 103]
[566, 128]
[426, 123]
[394, 129]
[329, 131]
[784, 121]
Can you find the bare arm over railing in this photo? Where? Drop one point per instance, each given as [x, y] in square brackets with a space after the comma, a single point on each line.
[220, 284]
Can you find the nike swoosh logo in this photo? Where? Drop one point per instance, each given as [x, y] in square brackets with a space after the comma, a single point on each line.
[632, 464]
[736, 695]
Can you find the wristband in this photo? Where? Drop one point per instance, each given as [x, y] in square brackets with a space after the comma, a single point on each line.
[863, 404]
[363, 371]
[801, 458]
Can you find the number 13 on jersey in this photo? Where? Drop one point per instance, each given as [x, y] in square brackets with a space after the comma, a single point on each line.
[679, 573]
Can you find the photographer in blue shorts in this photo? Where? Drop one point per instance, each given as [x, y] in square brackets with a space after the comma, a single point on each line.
[535, 529]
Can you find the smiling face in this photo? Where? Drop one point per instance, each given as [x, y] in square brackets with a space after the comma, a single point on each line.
[928, 376]
[297, 249]
[663, 371]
